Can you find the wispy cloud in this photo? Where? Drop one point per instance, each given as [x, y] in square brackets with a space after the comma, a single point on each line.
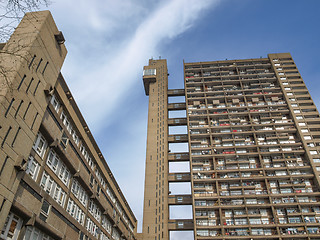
[122, 68]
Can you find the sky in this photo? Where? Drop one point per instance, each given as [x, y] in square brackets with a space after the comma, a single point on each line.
[109, 42]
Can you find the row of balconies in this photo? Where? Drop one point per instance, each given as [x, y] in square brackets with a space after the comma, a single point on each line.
[261, 233]
[273, 130]
[243, 123]
[233, 86]
[243, 174]
[226, 202]
[246, 80]
[229, 64]
[241, 151]
[239, 112]
[231, 73]
[251, 106]
[246, 89]
[227, 67]
[239, 94]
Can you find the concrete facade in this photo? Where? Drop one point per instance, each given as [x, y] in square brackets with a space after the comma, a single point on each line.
[253, 150]
[55, 183]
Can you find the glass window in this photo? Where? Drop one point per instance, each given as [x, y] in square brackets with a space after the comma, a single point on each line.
[149, 72]
[32, 168]
[55, 103]
[11, 227]
[40, 145]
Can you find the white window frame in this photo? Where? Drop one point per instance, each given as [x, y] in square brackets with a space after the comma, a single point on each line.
[40, 145]
[11, 221]
[53, 161]
[55, 103]
[32, 168]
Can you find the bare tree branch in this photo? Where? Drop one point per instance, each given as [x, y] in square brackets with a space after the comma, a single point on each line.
[11, 13]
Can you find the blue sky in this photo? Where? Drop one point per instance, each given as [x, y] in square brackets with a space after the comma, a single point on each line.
[110, 41]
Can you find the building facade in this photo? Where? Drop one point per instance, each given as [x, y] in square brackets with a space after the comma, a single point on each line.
[54, 180]
[253, 134]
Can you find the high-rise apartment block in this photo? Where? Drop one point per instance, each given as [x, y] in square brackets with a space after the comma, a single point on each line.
[253, 135]
[54, 180]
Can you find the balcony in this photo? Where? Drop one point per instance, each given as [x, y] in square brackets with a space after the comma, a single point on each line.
[180, 224]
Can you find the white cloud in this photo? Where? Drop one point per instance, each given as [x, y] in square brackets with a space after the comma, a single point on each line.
[122, 68]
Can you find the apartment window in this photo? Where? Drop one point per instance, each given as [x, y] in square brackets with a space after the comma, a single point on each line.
[58, 167]
[59, 195]
[64, 174]
[65, 120]
[11, 227]
[91, 181]
[94, 210]
[302, 124]
[40, 145]
[296, 111]
[46, 182]
[53, 160]
[294, 219]
[45, 209]
[313, 152]
[55, 103]
[106, 224]
[299, 117]
[115, 234]
[64, 140]
[92, 227]
[79, 192]
[36, 88]
[33, 233]
[304, 130]
[52, 188]
[32, 168]
[307, 137]
[75, 211]
[316, 160]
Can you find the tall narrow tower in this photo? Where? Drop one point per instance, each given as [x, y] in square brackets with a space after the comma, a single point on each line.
[155, 79]
[157, 199]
